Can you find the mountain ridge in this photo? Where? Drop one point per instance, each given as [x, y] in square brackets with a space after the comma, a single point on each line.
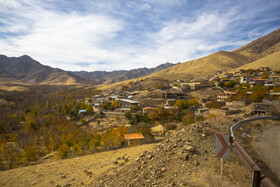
[105, 77]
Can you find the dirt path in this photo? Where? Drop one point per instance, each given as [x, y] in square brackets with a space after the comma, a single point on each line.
[71, 171]
[269, 150]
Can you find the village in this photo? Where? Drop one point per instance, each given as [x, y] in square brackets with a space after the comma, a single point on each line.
[243, 94]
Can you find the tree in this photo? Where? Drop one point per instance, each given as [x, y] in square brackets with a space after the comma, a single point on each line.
[258, 94]
[128, 115]
[193, 102]
[214, 104]
[63, 150]
[182, 104]
[188, 118]
[134, 108]
[107, 105]
[115, 104]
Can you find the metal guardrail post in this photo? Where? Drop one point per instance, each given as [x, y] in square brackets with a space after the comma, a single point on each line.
[256, 178]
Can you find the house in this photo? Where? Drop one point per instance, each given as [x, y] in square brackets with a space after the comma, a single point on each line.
[127, 103]
[258, 82]
[123, 110]
[97, 107]
[265, 69]
[112, 98]
[225, 96]
[246, 79]
[146, 110]
[131, 137]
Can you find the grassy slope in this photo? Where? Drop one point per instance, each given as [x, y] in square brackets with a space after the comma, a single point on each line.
[51, 172]
[272, 61]
[197, 68]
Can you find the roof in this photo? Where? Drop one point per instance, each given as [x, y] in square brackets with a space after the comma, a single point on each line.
[136, 136]
[81, 111]
[128, 101]
[149, 108]
[259, 79]
[230, 93]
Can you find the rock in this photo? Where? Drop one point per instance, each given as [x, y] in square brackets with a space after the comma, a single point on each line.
[189, 148]
[115, 162]
[63, 177]
[163, 169]
[87, 172]
[126, 160]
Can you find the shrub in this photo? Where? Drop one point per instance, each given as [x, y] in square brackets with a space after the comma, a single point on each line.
[63, 150]
[128, 115]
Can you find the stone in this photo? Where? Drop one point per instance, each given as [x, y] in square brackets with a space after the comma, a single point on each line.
[163, 169]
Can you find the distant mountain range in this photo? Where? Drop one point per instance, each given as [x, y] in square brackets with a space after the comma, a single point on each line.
[104, 77]
[28, 70]
[25, 70]
[263, 52]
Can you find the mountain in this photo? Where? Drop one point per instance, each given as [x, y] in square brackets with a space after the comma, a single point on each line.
[261, 52]
[104, 77]
[24, 69]
[218, 61]
[272, 61]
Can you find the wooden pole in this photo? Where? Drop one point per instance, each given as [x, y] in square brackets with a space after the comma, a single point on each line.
[222, 166]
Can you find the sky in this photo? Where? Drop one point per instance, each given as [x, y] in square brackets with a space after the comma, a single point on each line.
[98, 35]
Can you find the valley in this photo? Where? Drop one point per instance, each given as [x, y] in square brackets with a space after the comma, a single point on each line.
[143, 127]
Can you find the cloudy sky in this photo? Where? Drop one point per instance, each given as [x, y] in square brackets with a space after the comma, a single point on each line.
[125, 34]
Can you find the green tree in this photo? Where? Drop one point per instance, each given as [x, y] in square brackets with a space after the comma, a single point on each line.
[128, 115]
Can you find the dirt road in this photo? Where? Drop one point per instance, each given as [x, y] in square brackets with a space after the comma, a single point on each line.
[269, 150]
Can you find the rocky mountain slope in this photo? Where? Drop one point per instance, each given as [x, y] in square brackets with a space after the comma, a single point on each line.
[121, 75]
[27, 70]
[186, 158]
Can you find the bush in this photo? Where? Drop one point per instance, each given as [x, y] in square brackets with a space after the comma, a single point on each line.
[128, 115]
[63, 150]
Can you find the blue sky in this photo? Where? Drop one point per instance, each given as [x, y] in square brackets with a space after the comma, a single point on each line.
[111, 35]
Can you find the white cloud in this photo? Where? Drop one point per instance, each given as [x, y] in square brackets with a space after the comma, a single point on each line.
[106, 36]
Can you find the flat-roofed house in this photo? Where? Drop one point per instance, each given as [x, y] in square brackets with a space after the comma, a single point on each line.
[127, 103]
[131, 137]
[246, 78]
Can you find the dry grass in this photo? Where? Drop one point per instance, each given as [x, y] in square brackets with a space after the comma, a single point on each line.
[271, 61]
[70, 171]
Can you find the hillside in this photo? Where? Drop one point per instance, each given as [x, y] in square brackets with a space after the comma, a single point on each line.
[261, 47]
[186, 158]
[263, 52]
[272, 61]
[27, 70]
[220, 61]
[121, 75]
